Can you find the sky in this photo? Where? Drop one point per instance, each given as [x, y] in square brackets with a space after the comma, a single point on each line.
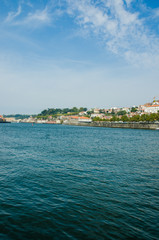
[83, 53]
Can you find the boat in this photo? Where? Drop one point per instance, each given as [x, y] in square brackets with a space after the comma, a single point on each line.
[3, 120]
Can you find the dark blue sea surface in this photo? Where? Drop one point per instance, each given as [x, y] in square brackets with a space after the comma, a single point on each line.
[69, 182]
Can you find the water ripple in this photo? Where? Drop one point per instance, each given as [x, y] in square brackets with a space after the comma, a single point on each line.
[66, 182]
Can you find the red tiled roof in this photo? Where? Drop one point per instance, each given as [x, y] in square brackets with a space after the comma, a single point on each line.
[84, 118]
[155, 105]
[74, 117]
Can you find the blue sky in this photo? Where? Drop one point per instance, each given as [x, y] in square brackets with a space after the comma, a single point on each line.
[65, 53]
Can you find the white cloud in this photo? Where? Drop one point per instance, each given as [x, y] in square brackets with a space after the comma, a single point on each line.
[123, 30]
[156, 13]
[41, 16]
[128, 2]
[111, 19]
[33, 18]
[12, 15]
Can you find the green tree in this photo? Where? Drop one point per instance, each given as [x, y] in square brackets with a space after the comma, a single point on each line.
[113, 112]
[135, 118]
[134, 109]
[96, 119]
[122, 112]
[114, 119]
[89, 112]
[124, 118]
[143, 117]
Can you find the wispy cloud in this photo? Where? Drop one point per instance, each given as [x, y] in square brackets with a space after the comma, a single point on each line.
[35, 17]
[156, 13]
[12, 15]
[121, 28]
[38, 17]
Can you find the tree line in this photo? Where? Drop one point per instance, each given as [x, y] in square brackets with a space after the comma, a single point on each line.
[58, 111]
[136, 118]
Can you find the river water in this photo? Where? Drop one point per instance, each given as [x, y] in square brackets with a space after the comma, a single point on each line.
[69, 182]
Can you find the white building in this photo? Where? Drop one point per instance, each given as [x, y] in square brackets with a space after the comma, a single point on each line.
[85, 119]
[152, 108]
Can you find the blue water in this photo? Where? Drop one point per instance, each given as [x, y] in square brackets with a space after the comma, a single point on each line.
[67, 182]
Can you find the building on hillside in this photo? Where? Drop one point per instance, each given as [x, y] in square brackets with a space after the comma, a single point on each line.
[100, 115]
[82, 113]
[151, 107]
[96, 110]
[11, 119]
[76, 119]
[84, 119]
[115, 110]
[126, 109]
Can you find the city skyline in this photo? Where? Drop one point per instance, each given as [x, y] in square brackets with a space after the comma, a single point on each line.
[77, 53]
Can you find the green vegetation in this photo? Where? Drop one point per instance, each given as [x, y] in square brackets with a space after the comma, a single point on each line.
[124, 118]
[122, 112]
[113, 112]
[18, 116]
[89, 112]
[96, 119]
[134, 109]
[55, 112]
[136, 118]
[114, 119]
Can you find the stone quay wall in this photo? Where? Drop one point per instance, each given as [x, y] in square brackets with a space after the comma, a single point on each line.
[131, 125]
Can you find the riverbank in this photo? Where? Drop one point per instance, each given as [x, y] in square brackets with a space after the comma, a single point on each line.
[4, 122]
[132, 125]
